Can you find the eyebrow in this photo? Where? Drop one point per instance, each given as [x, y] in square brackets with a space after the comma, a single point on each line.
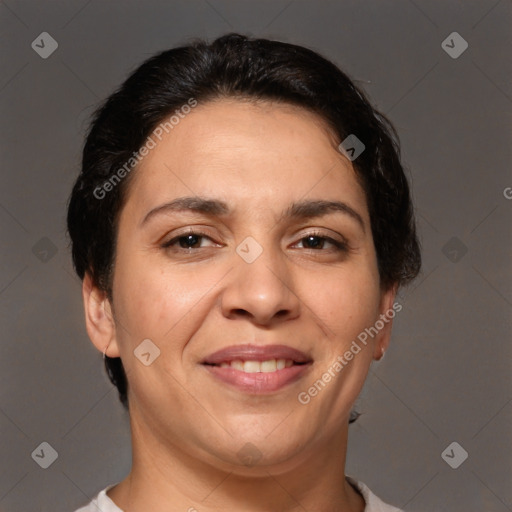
[310, 209]
[306, 209]
[212, 207]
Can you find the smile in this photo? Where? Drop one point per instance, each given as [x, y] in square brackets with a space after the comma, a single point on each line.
[256, 369]
[270, 365]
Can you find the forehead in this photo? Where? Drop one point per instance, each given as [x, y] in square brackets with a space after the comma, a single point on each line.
[240, 150]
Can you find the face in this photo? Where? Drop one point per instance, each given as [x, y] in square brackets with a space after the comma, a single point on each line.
[245, 254]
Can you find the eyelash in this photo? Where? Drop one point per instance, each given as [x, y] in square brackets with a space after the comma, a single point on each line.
[339, 246]
[176, 239]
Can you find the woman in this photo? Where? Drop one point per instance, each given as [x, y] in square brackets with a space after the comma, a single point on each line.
[241, 225]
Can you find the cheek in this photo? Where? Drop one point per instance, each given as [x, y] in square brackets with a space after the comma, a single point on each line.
[156, 301]
[347, 301]
[166, 306]
[347, 304]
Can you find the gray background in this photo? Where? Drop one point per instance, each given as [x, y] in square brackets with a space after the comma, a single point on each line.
[447, 374]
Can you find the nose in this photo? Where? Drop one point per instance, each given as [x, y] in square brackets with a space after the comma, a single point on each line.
[261, 291]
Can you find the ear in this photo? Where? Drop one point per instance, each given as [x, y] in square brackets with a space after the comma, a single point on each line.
[99, 320]
[388, 310]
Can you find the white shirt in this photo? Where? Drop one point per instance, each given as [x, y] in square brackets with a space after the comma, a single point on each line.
[102, 503]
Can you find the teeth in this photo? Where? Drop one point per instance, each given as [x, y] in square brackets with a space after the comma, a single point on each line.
[237, 365]
[271, 365]
[252, 367]
[268, 366]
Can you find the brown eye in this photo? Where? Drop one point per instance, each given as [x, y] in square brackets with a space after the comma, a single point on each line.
[313, 242]
[188, 241]
[319, 242]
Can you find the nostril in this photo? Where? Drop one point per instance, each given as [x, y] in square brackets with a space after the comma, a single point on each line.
[241, 312]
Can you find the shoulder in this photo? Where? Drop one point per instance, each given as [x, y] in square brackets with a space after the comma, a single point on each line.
[101, 502]
[373, 503]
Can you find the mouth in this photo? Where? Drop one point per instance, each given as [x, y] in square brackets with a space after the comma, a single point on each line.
[250, 366]
[258, 369]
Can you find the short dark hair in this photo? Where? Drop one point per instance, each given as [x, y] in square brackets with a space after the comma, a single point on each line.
[235, 66]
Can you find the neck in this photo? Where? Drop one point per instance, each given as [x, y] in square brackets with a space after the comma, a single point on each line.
[165, 478]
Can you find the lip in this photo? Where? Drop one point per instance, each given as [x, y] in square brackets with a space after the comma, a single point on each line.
[260, 353]
[257, 383]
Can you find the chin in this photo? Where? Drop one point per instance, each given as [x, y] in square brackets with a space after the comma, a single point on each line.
[257, 455]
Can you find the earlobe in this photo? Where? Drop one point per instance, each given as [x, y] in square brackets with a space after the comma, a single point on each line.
[99, 320]
[387, 313]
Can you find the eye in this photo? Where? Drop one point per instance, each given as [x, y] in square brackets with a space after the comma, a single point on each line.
[318, 242]
[188, 241]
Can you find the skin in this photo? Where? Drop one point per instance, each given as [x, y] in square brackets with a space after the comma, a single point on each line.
[187, 427]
